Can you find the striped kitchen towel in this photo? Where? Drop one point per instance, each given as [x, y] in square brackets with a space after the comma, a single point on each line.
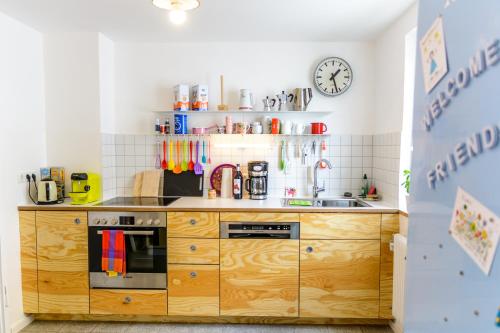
[113, 252]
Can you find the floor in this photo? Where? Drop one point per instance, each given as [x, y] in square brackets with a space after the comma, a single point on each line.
[107, 327]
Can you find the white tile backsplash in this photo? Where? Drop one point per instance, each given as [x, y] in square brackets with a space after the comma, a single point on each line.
[352, 156]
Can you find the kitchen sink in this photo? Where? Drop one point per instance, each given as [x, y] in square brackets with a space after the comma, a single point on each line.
[339, 203]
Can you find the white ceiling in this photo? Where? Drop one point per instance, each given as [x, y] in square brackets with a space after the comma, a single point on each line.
[215, 20]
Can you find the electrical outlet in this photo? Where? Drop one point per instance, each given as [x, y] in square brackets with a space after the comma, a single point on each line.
[22, 177]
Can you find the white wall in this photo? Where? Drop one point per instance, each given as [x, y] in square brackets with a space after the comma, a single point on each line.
[107, 84]
[389, 73]
[146, 74]
[22, 133]
[73, 101]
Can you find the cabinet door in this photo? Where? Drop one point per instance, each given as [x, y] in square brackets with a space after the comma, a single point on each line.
[63, 277]
[259, 277]
[27, 231]
[339, 278]
[193, 290]
[128, 302]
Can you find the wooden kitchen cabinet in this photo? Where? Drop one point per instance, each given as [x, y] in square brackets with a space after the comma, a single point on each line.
[339, 278]
[339, 226]
[193, 224]
[193, 251]
[29, 267]
[128, 302]
[63, 280]
[193, 290]
[259, 277]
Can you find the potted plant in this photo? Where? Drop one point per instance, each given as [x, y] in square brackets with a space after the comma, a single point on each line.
[406, 184]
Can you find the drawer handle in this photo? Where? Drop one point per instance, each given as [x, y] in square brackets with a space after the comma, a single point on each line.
[192, 248]
[77, 221]
[193, 221]
[309, 249]
[127, 300]
[193, 275]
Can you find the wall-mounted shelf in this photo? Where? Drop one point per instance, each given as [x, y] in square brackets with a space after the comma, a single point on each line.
[241, 112]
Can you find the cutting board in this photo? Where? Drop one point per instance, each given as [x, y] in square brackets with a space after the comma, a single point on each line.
[185, 184]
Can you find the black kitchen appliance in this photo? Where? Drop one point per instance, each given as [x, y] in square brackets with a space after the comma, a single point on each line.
[146, 252]
[256, 183]
[184, 184]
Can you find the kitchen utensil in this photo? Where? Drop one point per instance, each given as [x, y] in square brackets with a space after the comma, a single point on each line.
[298, 128]
[158, 157]
[199, 130]
[171, 163]
[183, 184]
[282, 157]
[283, 101]
[287, 157]
[164, 161]
[256, 183]
[209, 152]
[47, 192]
[178, 169]
[191, 163]
[85, 188]
[222, 106]
[322, 151]
[226, 187]
[286, 127]
[180, 123]
[246, 99]
[318, 128]
[136, 192]
[150, 183]
[216, 175]
[184, 164]
[198, 168]
[301, 99]
[313, 149]
[203, 157]
[275, 126]
[269, 103]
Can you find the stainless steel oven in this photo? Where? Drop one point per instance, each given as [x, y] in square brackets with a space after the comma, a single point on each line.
[145, 244]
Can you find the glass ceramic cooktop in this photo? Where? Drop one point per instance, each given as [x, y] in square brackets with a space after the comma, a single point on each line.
[138, 201]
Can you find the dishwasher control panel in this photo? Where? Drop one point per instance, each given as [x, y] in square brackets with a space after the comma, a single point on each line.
[276, 230]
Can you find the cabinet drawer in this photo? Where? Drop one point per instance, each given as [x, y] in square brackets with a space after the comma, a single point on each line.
[128, 302]
[193, 290]
[259, 217]
[339, 226]
[193, 224]
[193, 251]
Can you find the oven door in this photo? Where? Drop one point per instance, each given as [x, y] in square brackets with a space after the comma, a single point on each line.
[146, 259]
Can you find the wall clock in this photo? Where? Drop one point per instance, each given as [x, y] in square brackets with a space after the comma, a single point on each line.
[333, 76]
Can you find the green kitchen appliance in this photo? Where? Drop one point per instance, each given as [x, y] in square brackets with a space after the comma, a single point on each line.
[85, 188]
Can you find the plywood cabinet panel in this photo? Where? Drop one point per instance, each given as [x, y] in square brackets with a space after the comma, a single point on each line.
[193, 224]
[339, 226]
[339, 278]
[259, 277]
[258, 217]
[63, 282]
[390, 226]
[128, 302]
[193, 290]
[193, 251]
[27, 230]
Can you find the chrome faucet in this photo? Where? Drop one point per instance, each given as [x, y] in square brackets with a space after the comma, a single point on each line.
[317, 189]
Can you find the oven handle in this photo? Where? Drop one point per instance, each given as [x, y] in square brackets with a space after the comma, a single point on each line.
[138, 233]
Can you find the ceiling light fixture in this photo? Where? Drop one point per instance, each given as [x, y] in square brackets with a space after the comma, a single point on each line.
[177, 8]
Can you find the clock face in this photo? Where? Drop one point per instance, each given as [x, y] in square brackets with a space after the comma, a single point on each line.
[333, 76]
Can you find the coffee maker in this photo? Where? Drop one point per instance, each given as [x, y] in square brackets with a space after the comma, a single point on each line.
[256, 184]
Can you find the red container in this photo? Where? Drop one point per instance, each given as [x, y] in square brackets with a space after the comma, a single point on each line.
[318, 128]
[275, 126]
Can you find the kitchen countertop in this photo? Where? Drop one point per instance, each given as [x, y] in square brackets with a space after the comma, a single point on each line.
[204, 204]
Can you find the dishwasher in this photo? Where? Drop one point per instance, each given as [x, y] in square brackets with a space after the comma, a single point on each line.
[259, 269]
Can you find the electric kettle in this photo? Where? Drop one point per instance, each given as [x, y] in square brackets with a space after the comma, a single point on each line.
[47, 192]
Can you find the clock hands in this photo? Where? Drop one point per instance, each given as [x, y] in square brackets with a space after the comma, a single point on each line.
[332, 78]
